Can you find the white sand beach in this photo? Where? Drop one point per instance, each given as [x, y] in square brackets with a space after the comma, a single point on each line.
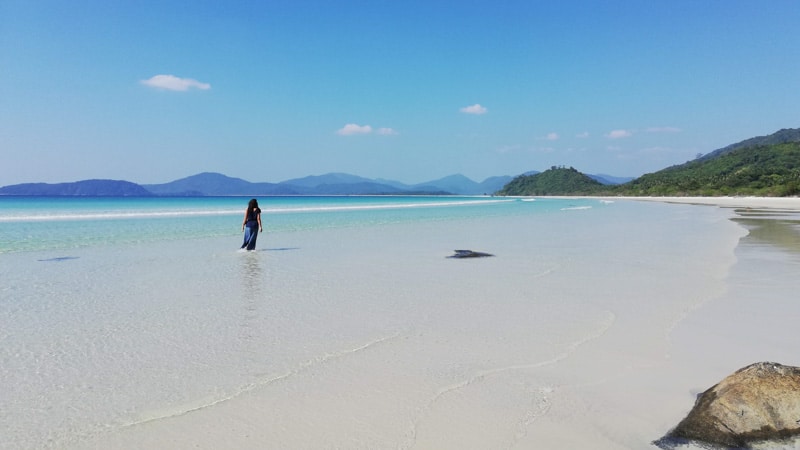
[787, 203]
[567, 338]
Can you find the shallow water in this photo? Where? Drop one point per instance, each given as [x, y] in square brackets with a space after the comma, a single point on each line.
[349, 319]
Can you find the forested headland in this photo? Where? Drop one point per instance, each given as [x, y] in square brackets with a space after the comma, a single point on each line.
[765, 166]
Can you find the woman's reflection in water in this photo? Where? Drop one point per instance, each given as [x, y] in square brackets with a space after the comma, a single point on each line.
[252, 280]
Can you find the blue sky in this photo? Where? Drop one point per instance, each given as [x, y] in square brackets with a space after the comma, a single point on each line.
[152, 91]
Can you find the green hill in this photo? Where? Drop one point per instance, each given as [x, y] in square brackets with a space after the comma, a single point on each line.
[762, 166]
[555, 181]
[763, 170]
[779, 137]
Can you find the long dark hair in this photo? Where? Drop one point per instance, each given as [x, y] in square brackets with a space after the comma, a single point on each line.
[253, 204]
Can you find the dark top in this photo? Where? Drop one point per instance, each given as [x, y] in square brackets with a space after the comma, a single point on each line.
[252, 217]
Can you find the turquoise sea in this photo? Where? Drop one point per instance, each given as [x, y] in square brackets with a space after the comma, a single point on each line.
[64, 223]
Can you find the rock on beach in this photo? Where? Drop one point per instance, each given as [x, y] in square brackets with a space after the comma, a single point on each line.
[760, 402]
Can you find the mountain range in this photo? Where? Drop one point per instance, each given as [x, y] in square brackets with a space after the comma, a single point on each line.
[216, 184]
[329, 184]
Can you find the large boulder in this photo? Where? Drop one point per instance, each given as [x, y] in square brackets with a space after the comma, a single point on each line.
[760, 402]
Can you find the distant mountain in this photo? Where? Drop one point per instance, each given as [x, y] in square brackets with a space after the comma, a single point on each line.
[209, 183]
[340, 184]
[455, 184]
[88, 188]
[493, 184]
[217, 184]
[459, 184]
[359, 188]
[313, 181]
[611, 180]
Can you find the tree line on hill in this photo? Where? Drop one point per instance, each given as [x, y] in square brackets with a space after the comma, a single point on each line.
[765, 166]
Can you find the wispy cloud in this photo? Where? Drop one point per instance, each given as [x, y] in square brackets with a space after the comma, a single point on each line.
[387, 131]
[583, 135]
[474, 109]
[619, 134]
[173, 83]
[352, 129]
[551, 137]
[663, 130]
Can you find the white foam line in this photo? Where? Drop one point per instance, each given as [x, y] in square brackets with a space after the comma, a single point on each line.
[482, 375]
[114, 215]
[387, 206]
[224, 212]
[253, 386]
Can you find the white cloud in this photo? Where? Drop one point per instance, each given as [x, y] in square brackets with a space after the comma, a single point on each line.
[619, 134]
[551, 137]
[663, 130]
[583, 135]
[386, 131]
[474, 109]
[352, 129]
[173, 83]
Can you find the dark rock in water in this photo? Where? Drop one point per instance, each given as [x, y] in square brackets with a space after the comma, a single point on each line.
[469, 254]
[58, 259]
[760, 402]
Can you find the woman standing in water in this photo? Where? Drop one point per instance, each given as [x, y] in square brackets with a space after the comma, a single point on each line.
[251, 224]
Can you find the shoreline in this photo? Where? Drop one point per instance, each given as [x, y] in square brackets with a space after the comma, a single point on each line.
[785, 203]
[769, 220]
[777, 203]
